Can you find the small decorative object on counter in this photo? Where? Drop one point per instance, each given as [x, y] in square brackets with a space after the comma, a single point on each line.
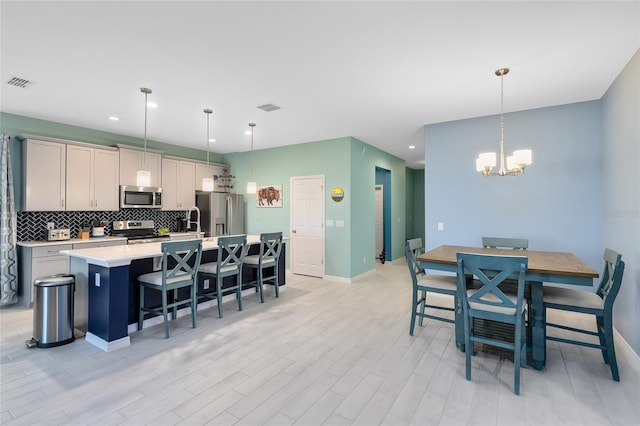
[84, 231]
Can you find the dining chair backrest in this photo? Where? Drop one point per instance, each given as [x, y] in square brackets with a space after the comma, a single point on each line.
[231, 251]
[270, 246]
[512, 243]
[181, 252]
[491, 271]
[414, 270]
[414, 248]
[611, 277]
[415, 244]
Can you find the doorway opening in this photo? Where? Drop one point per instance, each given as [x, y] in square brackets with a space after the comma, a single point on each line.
[383, 223]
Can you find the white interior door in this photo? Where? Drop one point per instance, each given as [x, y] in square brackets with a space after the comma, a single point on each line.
[379, 192]
[307, 225]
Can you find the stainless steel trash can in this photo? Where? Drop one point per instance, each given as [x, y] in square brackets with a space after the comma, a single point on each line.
[53, 311]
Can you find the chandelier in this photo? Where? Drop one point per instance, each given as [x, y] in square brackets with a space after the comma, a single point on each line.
[517, 162]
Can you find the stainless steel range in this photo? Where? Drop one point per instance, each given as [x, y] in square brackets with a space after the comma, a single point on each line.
[137, 231]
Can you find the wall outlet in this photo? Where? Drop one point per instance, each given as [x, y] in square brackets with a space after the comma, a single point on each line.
[206, 284]
[440, 226]
[51, 225]
[97, 280]
[364, 259]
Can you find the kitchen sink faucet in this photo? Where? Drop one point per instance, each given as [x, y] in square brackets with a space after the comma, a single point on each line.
[189, 221]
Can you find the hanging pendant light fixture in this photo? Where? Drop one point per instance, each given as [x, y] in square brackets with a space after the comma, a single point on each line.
[251, 185]
[517, 162]
[143, 177]
[207, 182]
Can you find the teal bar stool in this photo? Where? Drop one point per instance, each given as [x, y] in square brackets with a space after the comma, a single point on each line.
[489, 302]
[598, 304]
[424, 284]
[270, 247]
[231, 252]
[171, 279]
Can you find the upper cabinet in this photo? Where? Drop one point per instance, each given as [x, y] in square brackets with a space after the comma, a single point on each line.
[44, 175]
[132, 160]
[204, 170]
[92, 178]
[178, 184]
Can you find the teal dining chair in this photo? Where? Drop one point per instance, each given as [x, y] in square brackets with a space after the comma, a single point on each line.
[415, 244]
[489, 302]
[598, 304]
[500, 242]
[231, 252]
[267, 258]
[424, 284]
[510, 285]
[171, 279]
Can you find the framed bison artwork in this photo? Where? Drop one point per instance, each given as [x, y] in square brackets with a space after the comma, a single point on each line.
[269, 196]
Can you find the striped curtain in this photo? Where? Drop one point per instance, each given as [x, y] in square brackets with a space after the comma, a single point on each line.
[8, 230]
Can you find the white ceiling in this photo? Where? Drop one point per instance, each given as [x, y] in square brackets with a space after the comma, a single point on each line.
[377, 71]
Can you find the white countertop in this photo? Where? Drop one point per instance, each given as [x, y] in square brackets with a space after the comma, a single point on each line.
[73, 241]
[123, 255]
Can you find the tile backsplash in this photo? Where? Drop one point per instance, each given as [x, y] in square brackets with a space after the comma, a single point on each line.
[32, 226]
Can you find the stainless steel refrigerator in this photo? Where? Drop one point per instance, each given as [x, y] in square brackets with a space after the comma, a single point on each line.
[221, 213]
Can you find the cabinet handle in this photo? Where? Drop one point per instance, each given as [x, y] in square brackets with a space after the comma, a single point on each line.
[62, 203]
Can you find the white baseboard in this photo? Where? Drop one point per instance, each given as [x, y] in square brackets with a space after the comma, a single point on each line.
[107, 346]
[628, 352]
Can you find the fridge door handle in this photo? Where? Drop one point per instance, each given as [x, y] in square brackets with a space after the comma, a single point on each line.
[229, 216]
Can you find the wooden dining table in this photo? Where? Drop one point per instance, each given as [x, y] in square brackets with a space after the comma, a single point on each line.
[544, 267]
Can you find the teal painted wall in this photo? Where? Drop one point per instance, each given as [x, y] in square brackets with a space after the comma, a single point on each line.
[349, 251]
[415, 204]
[15, 125]
[363, 174]
[620, 211]
[276, 166]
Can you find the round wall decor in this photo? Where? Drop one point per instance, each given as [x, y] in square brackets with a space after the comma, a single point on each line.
[337, 194]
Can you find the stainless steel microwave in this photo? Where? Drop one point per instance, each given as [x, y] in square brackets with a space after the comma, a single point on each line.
[140, 197]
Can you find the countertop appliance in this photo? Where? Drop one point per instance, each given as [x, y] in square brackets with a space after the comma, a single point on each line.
[137, 231]
[140, 197]
[221, 213]
[58, 234]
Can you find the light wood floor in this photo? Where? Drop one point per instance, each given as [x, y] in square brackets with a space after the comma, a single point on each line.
[323, 353]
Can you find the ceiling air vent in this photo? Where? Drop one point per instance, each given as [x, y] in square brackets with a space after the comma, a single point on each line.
[19, 82]
[269, 107]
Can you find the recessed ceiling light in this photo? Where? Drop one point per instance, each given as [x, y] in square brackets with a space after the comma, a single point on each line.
[113, 118]
[152, 105]
[412, 147]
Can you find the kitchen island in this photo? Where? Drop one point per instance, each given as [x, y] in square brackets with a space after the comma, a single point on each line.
[113, 290]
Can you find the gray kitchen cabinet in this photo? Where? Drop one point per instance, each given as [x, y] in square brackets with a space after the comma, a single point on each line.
[178, 184]
[92, 178]
[203, 170]
[38, 262]
[132, 160]
[44, 175]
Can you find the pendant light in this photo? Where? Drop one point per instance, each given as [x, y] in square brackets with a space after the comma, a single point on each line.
[251, 185]
[517, 162]
[143, 177]
[207, 182]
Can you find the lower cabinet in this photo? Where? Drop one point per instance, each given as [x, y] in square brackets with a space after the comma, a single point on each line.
[39, 262]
